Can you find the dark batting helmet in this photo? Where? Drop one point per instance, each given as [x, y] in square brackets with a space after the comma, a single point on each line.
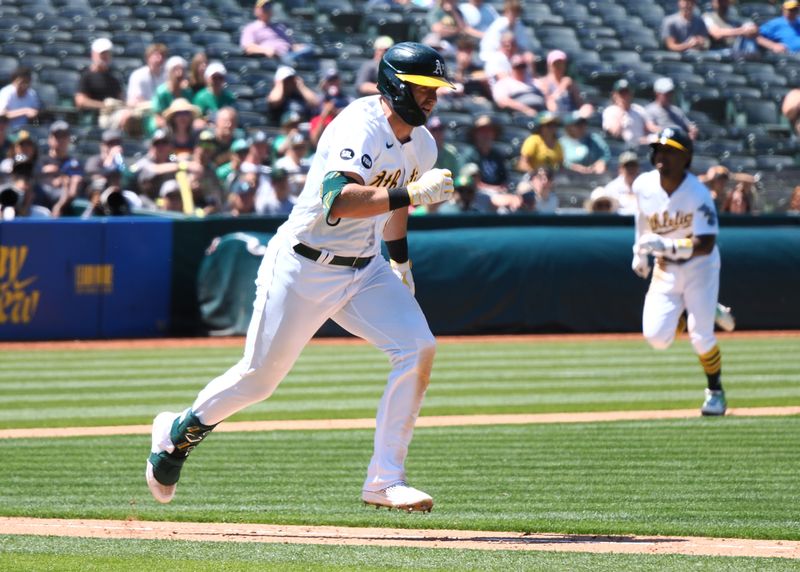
[676, 138]
[404, 64]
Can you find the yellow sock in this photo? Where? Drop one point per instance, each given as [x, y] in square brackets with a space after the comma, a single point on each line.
[711, 361]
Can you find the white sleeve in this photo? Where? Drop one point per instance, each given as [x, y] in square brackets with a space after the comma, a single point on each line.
[4, 97]
[352, 150]
[705, 219]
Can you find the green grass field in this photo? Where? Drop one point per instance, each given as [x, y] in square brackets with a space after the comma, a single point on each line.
[731, 477]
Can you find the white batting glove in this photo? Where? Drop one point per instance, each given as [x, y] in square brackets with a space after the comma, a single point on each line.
[403, 271]
[641, 265]
[434, 186]
[675, 248]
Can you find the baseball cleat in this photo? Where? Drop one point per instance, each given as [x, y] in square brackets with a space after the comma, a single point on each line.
[715, 403]
[162, 470]
[724, 318]
[400, 496]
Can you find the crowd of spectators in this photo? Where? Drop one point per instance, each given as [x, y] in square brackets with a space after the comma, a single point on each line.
[198, 160]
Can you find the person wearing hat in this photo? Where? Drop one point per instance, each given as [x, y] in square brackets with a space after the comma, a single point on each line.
[158, 165]
[621, 188]
[684, 30]
[782, 34]
[445, 20]
[60, 174]
[295, 162]
[242, 196]
[207, 191]
[5, 140]
[280, 200]
[494, 176]
[226, 130]
[661, 112]
[624, 119]
[18, 100]
[215, 95]
[174, 87]
[517, 91]
[717, 178]
[601, 201]
[22, 142]
[266, 38]
[290, 124]
[333, 102]
[509, 21]
[468, 198]
[228, 171]
[169, 197]
[258, 157]
[728, 35]
[585, 152]
[180, 117]
[541, 148]
[31, 201]
[367, 75]
[144, 80]
[561, 94]
[109, 164]
[448, 157]
[99, 93]
[290, 93]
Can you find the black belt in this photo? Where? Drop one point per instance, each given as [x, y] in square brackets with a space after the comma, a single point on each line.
[314, 254]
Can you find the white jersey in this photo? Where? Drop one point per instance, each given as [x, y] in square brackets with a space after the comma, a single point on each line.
[688, 212]
[358, 140]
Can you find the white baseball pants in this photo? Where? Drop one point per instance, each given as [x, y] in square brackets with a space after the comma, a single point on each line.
[294, 297]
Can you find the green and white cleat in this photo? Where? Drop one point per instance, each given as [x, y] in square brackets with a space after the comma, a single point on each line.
[724, 318]
[715, 403]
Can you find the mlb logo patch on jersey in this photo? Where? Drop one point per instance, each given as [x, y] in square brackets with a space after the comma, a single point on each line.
[366, 160]
[347, 154]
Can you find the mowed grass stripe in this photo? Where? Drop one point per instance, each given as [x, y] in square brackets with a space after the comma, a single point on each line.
[734, 477]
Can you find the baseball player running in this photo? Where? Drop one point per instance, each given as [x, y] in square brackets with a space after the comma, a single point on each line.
[372, 162]
[676, 222]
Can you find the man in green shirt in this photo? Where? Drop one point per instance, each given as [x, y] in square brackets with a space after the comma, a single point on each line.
[215, 95]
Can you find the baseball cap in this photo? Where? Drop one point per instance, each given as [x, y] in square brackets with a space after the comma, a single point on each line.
[556, 55]
[215, 68]
[159, 135]
[173, 62]
[546, 117]
[628, 157]
[101, 45]
[663, 85]
[111, 136]
[719, 171]
[621, 85]
[206, 136]
[21, 136]
[331, 73]
[278, 174]
[290, 116]
[263, 3]
[258, 137]
[297, 139]
[464, 181]
[574, 117]
[242, 187]
[59, 126]
[283, 72]
[790, 4]
[383, 43]
[240, 145]
[168, 187]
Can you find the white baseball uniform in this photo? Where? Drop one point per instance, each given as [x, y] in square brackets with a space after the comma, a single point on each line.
[296, 295]
[691, 284]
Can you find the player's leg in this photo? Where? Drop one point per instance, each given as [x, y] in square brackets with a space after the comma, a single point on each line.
[286, 314]
[702, 288]
[385, 314]
[663, 307]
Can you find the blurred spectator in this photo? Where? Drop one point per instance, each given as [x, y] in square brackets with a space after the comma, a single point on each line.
[684, 30]
[739, 200]
[157, 166]
[791, 110]
[281, 200]
[510, 21]
[215, 95]
[109, 164]
[290, 124]
[206, 189]
[180, 116]
[265, 38]
[170, 198]
[727, 34]
[61, 174]
[468, 75]
[333, 102]
[111, 200]
[447, 157]
[174, 87]
[624, 119]
[602, 201]
[560, 91]
[290, 93]
[584, 152]
[367, 77]
[197, 73]
[517, 91]
[295, 163]
[717, 179]
[478, 16]
[144, 81]
[227, 172]
[5, 140]
[794, 201]
[445, 20]
[541, 148]
[258, 156]
[491, 163]
[242, 197]
[662, 113]
[99, 92]
[330, 79]
[24, 197]
[18, 100]
[467, 199]
[498, 64]
[541, 182]
[226, 130]
[782, 34]
[22, 143]
[621, 188]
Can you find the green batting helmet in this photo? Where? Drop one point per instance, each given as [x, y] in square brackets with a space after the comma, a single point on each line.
[410, 63]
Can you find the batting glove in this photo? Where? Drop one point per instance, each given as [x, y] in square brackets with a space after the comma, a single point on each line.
[403, 271]
[641, 265]
[434, 186]
[675, 248]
